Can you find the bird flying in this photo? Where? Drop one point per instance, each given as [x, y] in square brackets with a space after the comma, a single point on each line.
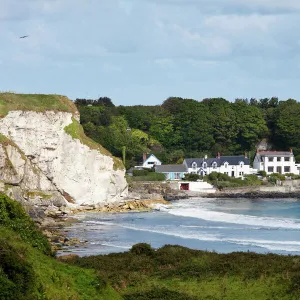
[23, 37]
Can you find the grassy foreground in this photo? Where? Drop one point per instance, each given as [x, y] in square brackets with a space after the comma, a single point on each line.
[178, 273]
[29, 271]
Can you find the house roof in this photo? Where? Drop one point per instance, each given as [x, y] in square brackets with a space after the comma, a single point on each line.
[171, 168]
[151, 155]
[275, 153]
[231, 160]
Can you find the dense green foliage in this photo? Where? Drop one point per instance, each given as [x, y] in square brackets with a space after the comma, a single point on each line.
[221, 180]
[175, 272]
[13, 216]
[27, 273]
[188, 128]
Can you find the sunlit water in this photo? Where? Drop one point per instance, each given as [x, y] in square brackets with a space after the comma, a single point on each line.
[221, 225]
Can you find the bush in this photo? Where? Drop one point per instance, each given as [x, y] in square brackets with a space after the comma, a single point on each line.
[274, 177]
[262, 173]
[142, 249]
[13, 216]
[140, 172]
[150, 177]
[192, 177]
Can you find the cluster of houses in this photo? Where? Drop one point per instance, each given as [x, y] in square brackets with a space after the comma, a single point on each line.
[234, 166]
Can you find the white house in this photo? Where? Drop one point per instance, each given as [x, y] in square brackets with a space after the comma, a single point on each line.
[233, 166]
[150, 161]
[281, 162]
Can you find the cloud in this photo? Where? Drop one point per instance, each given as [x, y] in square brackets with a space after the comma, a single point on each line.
[205, 40]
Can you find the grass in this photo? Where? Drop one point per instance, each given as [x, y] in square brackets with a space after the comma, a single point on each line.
[76, 131]
[33, 194]
[28, 270]
[175, 272]
[34, 102]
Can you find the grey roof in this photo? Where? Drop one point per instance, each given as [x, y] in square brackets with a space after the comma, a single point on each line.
[170, 168]
[232, 160]
[275, 153]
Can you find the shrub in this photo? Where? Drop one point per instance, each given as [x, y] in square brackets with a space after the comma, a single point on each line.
[150, 177]
[192, 177]
[142, 249]
[276, 176]
[262, 173]
[14, 217]
[140, 172]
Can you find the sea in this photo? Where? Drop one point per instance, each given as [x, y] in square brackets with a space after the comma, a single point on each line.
[219, 225]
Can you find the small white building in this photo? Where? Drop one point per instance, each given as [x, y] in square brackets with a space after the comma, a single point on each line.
[281, 162]
[233, 166]
[150, 161]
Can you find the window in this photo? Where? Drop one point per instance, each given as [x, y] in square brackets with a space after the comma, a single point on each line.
[271, 158]
[150, 162]
[241, 164]
[177, 175]
[226, 173]
[271, 169]
[194, 165]
[214, 165]
[226, 165]
[287, 170]
[286, 159]
[204, 165]
[240, 173]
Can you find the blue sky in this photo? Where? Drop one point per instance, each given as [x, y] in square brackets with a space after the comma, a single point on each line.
[143, 51]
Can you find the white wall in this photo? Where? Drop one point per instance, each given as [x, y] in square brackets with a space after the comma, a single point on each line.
[277, 162]
[151, 161]
[238, 170]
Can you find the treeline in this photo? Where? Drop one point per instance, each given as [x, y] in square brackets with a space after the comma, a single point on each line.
[185, 127]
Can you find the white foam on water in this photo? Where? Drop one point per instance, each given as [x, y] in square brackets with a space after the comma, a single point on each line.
[215, 216]
[292, 246]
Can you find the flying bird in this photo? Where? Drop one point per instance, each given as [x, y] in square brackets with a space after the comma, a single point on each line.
[23, 37]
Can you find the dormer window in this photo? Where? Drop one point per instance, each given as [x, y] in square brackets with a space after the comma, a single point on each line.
[194, 165]
[241, 164]
[214, 165]
[226, 165]
[204, 165]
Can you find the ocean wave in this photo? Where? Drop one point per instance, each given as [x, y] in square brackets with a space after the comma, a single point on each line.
[215, 216]
[292, 246]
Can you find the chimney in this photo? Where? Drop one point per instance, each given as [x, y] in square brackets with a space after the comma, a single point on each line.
[246, 155]
[219, 155]
[291, 150]
[144, 156]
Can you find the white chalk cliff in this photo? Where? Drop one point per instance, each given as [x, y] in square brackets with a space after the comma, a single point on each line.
[41, 162]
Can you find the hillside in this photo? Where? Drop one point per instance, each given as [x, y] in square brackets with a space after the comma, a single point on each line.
[28, 270]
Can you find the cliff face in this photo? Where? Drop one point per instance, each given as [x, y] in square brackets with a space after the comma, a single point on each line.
[46, 158]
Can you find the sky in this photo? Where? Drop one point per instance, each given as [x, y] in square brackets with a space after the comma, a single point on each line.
[144, 51]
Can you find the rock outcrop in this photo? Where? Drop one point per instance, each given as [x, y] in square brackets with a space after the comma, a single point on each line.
[45, 158]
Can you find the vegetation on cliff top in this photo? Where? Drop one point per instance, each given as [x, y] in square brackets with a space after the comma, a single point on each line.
[27, 270]
[75, 130]
[34, 102]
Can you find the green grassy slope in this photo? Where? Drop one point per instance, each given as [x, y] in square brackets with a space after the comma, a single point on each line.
[174, 272]
[34, 102]
[28, 270]
[75, 130]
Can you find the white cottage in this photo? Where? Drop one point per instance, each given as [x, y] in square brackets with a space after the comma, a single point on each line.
[150, 161]
[281, 162]
[233, 166]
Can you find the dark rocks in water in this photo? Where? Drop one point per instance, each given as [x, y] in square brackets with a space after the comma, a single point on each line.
[255, 195]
